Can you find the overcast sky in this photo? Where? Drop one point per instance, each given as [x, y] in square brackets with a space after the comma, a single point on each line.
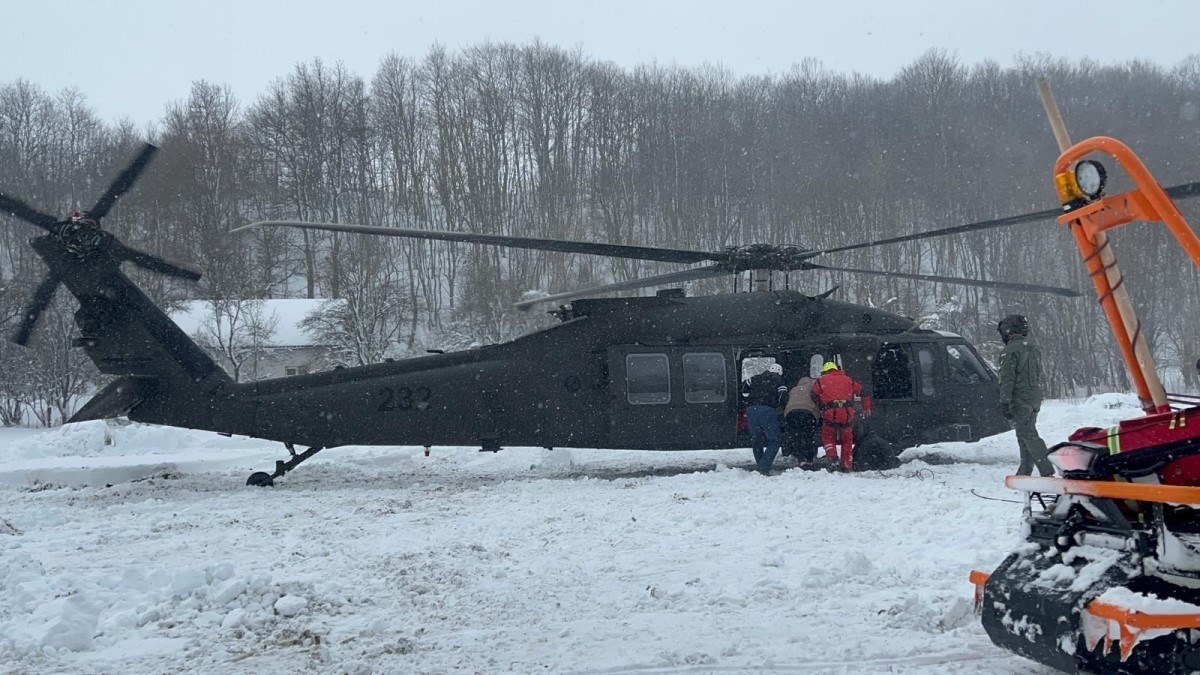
[132, 57]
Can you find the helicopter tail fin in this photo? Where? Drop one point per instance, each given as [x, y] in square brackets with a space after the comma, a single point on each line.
[163, 373]
[165, 376]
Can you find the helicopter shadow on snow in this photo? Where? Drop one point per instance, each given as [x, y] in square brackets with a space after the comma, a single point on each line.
[405, 475]
[783, 465]
[945, 459]
[658, 470]
[653, 467]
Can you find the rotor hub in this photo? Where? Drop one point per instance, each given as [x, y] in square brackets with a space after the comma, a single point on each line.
[81, 235]
[763, 257]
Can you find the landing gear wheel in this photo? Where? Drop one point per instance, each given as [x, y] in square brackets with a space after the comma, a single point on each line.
[264, 479]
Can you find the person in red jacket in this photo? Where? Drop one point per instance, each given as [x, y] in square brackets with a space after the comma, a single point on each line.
[834, 393]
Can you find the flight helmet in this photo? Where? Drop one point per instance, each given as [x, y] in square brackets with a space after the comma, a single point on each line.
[1013, 324]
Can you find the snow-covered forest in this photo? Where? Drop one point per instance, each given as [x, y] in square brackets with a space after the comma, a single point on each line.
[539, 141]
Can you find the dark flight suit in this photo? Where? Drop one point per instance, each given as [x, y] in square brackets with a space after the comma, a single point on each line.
[1021, 399]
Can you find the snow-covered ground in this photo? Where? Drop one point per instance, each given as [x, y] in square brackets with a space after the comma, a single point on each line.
[139, 549]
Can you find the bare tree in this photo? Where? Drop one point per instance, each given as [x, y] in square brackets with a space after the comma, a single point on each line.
[238, 330]
[365, 325]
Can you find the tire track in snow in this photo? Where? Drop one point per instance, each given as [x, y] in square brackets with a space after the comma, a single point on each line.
[979, 662]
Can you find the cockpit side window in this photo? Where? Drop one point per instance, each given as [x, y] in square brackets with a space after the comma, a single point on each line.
[963, 366]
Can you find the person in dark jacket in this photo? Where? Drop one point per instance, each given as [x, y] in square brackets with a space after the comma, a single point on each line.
[764, 396]
[1021, 392]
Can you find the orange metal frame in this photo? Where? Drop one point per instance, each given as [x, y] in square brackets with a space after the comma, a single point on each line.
[1147, 201]
[1131, 623]
[1142, 492]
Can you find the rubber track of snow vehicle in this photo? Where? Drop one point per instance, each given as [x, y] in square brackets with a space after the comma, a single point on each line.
[1078, 596]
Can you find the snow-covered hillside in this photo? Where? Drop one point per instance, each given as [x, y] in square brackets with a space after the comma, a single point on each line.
[138, 549]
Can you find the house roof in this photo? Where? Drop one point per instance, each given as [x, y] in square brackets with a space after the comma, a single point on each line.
[196, 314]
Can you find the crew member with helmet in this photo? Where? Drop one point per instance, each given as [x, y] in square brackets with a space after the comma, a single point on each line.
[1021, 392]
[764, 396]
[834, 393]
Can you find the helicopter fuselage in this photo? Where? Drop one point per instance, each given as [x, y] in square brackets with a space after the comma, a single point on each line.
[659, 373]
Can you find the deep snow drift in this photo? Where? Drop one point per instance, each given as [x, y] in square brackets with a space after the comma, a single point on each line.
[139, 549]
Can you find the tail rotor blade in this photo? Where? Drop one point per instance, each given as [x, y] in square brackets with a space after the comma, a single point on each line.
[38, 304]
[15, 207]
[123, 182]
[154, 263]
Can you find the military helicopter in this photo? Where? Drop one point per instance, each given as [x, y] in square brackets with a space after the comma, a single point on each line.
[654, 373]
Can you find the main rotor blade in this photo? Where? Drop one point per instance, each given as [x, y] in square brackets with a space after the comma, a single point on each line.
[957, 229]
[18, 208]
[154, 263]
[961, 281]
[560, 245]
[123, 182]
[37, 304]
[658, 280]
[1184, 191]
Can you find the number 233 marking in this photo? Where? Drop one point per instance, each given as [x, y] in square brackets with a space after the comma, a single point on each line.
[404, 398]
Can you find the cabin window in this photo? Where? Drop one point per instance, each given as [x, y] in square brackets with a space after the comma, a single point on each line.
[295, 370]
[925, 359]
[891, 374]
[964, 367]
[815, 364]
[704, 377]
[753, 365]
[647, 378]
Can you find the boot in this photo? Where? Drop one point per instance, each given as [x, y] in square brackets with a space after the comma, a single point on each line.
[828, 463]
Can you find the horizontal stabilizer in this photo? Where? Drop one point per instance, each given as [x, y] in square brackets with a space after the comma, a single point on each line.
[115, 400]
